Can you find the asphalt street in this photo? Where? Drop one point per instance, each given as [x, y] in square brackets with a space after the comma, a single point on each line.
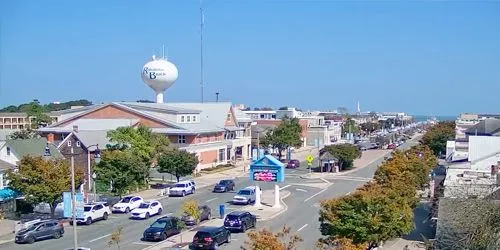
[301, 215]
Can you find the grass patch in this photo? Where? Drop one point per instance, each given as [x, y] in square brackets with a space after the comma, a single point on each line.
[218, 168]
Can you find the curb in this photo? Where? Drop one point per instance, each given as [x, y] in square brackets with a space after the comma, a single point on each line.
[280, 212]
[6, 241]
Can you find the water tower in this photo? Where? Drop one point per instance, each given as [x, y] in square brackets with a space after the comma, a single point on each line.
[159, 74]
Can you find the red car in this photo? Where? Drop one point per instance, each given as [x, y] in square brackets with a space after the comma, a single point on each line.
[293, 164]
[392, 146]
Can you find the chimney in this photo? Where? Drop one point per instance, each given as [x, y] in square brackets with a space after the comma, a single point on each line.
[50, 138]
[75, 128]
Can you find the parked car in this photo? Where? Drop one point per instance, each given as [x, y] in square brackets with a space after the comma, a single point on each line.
[93, 212]
[40, 230]
[210, 238]
[205, 214]
[162, 228]
[224, 186]
[127, 203]
[146, 209]
[245, 196]
[392, 146]
[293, 164]
[240, 221]
[160, 185]
[182, 188]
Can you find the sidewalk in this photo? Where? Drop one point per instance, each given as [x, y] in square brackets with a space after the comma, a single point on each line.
[263, 213]
[7, 230]
[210, 179]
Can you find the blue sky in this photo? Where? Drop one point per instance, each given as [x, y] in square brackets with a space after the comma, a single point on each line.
[438, 58]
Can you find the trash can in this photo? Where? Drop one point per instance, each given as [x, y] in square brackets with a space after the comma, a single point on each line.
[222, 207]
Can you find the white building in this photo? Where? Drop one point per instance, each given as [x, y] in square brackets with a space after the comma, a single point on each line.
[261, 114]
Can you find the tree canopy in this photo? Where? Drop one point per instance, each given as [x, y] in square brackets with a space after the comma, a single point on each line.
[124, 168]
[23, 134]
[43, 180]
[47, 107]
[369, 127]
[345, 153]
[286, 135]
[267, 240]
[177, 162]
[437, 136]
[350, 126]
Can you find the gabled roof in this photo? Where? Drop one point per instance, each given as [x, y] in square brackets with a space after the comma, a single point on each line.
[327, 156]
[267, 160]
[213, 112]
[33, 147]
[160, 107]
[90, 137]
[489, 126]
[5, 165]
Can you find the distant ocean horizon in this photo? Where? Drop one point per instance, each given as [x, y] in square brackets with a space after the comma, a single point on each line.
[421, 118]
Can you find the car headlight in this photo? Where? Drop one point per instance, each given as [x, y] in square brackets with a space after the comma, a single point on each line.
[158, 233]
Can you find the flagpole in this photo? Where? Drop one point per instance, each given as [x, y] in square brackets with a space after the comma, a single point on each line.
[201, 49]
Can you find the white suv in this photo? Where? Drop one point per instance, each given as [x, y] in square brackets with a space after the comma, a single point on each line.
[93, 212]
[127, 203]
[182, 188]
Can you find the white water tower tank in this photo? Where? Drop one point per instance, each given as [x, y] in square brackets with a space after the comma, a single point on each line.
[159, 74]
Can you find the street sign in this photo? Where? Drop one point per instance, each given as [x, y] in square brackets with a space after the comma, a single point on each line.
[309, 159]
[67, 204]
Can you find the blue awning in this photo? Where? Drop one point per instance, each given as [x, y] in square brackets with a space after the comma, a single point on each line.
[8, 193]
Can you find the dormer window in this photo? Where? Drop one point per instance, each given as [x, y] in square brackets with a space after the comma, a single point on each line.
[78, 143]
[8, 150]
[194, 118]
[69, 143]
[182, 119]
[188, 119]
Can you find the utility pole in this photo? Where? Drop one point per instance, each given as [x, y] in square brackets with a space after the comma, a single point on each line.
[73, 199]
[202, 20]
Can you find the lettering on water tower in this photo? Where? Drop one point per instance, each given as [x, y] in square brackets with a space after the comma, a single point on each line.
[153, 73]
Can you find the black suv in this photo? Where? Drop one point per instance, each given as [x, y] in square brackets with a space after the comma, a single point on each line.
[205, 214]
[239, 220]
[40, 230]
[162, 228]
[210, 238]
[224, 186]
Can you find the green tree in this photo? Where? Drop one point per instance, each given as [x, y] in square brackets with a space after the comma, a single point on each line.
[43, 180]
[369, 127]
[191, 208]
[286, 135]
[345, 153]
[23, 134]
[177, 162]
[36, 113]
[437, 136]
[350, 126]
[124, 168]
[368, 216]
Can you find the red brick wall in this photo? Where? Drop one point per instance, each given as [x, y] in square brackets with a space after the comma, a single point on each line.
[208, 157]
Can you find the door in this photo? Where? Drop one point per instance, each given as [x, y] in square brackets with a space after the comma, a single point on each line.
[98, 211]
[154, 207]
[41, 231]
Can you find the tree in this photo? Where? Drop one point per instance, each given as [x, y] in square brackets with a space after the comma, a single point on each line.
[23, 134]
[36, 113]
[437, 136]
[286, 135]
[47, 107]
[43, 180]
[177, 162]
[369, 127]
[345, 153]
[191, 208]
[267, 240]
[283, 108]
[368, 216]
[350, 126]
[340, 244]
[116, 238]
[124, 168]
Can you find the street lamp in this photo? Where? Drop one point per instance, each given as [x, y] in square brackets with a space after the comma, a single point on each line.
[97, 159]
[46, 152]
[94, 177]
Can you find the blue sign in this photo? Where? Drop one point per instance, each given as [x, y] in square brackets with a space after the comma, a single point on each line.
[67, 204]
[268, 169]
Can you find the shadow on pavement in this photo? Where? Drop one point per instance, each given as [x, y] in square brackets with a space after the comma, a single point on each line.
[423, 224]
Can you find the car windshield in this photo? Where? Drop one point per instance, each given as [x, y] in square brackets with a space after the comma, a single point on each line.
[232, 217]
[159, 224]
[180, 185]
[32, 227]
[244, 192]
[224, 182]
[144, 205]
[202, 235]
[87, 208]
[126, 199]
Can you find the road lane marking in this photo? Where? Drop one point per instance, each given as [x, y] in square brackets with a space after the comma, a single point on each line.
[211, 199]
[285, 187]
[302, 190]
[293, 171]
[143, 243]
[314, 195]
[325, 180]
[99, 238]
[302, 227]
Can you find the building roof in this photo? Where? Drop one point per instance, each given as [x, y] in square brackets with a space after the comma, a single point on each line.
[241, 116]
[5, 165]
[13, 114]
[490, 126]
[93, 137]
[4, 133]
[33, 147]
[100, 124]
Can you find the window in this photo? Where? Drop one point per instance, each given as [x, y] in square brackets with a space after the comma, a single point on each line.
[182, 118]
[78, 143]
[188, 118]
[8, 150]
[221, 154]
[229, 116]
[194, 118]
[262, 116]
[69, 143]
[181, 139]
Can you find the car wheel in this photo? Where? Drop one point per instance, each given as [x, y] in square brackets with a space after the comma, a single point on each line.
[30, 240]
[160, 211]
[127, 210]
[147, 216]
[228, 239]
[105, 216]
[192, 191]
[88, 221]
[209, 216]
[243, 228]
[57, 235]
[183, 193]
[164, 236]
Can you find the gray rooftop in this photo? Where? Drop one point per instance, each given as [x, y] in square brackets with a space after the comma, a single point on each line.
[33, 147]
[490, 126]
[92, 137]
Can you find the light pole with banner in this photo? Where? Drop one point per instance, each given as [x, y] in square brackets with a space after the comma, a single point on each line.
[97, 159]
